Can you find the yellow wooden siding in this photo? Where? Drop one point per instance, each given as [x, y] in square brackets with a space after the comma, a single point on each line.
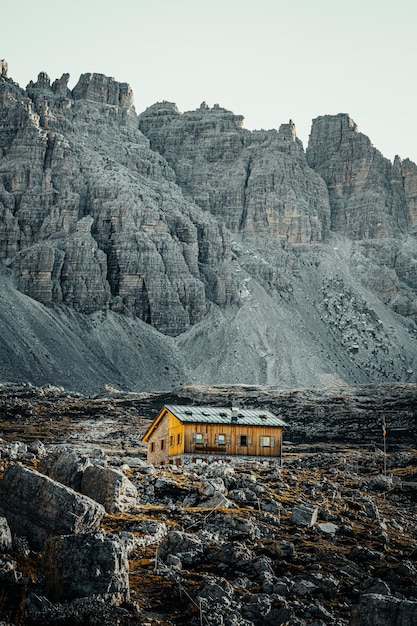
[175, 436]
[232, 433]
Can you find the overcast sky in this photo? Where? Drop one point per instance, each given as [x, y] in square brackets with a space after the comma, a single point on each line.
[268, 60]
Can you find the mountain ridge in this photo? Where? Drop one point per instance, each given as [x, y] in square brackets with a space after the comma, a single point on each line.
[228, 255]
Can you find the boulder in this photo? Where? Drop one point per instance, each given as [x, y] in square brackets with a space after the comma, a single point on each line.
[110, 487]
[215, 590]
[166, 488]
[233, 555]
[381, 483]
[371, 509]
[186, 546]
[38, 507]
[88, 564]
[382, 610]
[375, 585]
[211, 487]
[9, 574]
[66, 466]
[5, 536]
[238, 496]
[37, 448]
[362, 554]
[304, 515]
[231, 524]
[217, 500]
[285, 549]
[328, 528]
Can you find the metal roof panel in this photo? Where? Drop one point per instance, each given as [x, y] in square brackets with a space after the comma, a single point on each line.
[223, 415]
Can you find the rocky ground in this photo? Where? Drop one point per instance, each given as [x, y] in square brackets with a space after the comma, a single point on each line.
[329, 538]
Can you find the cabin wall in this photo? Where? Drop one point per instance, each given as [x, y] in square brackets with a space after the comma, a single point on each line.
[158, 443]
[171, 439]
[234, 436]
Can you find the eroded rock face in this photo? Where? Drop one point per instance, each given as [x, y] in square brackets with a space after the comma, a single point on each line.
[373, 202]
[37, 507]
[100, 88]
[94, 219]
[90, 217]
[254, 182]
[366, 191]
[409, 173]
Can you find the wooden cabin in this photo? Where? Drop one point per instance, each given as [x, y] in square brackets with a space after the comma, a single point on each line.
[197, 434]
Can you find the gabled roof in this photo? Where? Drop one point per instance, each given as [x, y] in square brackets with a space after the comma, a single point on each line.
[223, 415]
[216, 415]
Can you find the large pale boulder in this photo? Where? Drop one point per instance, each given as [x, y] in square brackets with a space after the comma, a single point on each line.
[304, 515]
[5, 536]
[37, 507]
[66, 466]
[110, 487]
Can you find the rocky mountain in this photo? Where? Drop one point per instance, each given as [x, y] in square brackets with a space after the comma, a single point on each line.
[174, 248]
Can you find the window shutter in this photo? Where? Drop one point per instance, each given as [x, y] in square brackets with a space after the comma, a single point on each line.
[216, 438]
[194, 437]
[272, 442]
[228, 440]
[205, 438]
[249, 441]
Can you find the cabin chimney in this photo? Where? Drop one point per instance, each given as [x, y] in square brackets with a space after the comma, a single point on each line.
[235, 412]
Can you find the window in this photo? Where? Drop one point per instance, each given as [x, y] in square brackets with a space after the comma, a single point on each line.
[243, 440]
[152, 446]
[162, 444]
[199, 437]
[178, 439]
[171, 440]
[267, 442]
[221, 440]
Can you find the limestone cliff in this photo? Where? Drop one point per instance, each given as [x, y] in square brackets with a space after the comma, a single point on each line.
[255, 182]
[366, 191]
[92, 218]
[408, 171]
[374, 202]
[176, 248]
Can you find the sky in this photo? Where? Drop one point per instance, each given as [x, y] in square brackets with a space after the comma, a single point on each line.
[268, 60]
